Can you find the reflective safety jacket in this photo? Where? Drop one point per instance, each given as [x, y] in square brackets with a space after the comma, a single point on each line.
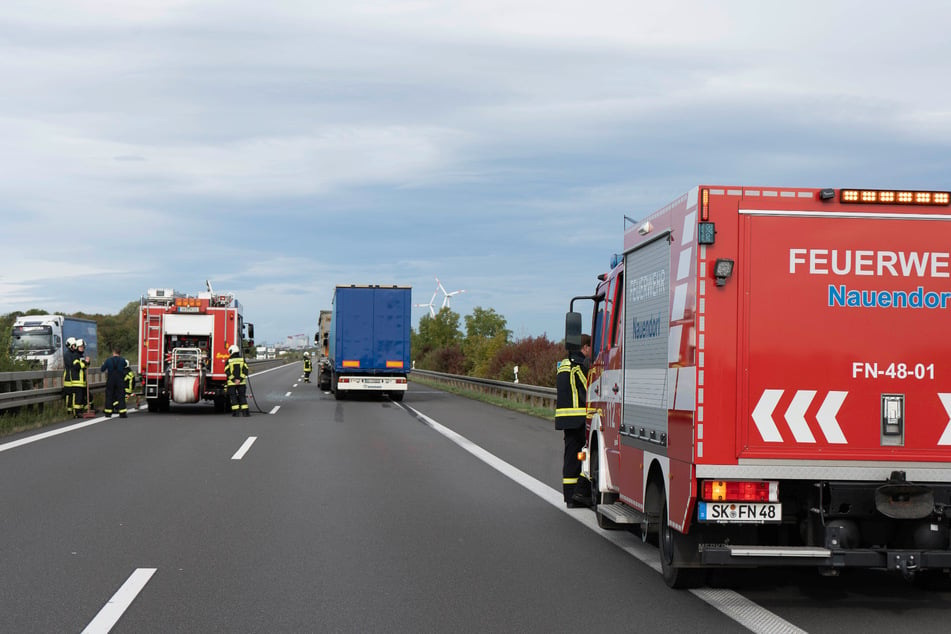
[307, 365]
[572, 393]
[68, 357]
[78, 372]
[237, 371]
[129, 380]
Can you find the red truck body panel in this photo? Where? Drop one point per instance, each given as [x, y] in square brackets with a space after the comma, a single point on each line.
[820, 358]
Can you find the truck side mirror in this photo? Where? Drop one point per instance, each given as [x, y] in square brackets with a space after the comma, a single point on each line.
[251, 331]
[572, 331]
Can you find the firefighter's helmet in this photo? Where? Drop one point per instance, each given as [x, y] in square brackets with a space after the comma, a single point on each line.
[306, 354]
[233, 350]
[80, 343]
[71, 342]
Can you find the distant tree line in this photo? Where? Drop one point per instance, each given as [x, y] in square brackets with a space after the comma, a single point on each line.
[485, 350]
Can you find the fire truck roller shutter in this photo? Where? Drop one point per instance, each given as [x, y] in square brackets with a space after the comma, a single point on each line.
[192, 325]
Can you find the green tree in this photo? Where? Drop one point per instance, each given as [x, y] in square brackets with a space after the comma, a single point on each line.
[435, 334]
[120, 330]
[486, 335]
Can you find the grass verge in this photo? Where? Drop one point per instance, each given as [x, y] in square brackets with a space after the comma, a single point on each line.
[524, 408]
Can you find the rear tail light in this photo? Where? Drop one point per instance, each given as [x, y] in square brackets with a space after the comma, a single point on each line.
[739, 491]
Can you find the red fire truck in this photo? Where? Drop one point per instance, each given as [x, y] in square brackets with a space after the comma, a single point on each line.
[183, 346]
[771, 383]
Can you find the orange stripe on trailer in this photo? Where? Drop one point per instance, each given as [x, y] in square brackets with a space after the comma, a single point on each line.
[351, 364]
[394, 364]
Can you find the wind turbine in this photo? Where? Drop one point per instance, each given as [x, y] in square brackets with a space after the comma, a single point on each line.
[446, 296]
[432, 302]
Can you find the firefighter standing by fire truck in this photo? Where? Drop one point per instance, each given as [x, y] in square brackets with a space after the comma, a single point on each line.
[570, 416]
[237, 371]
[308, 367]
[114, 367]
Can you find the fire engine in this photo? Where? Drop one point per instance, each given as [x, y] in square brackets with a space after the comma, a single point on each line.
[771, 383]
[183, 345]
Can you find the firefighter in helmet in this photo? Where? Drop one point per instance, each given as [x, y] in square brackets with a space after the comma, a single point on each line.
[237, 372]
[68, 357]
[570, 416]
[308, 367]
[78, 368]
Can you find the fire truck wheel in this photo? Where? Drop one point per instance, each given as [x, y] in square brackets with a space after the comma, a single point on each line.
[153, 404]
[671, 542]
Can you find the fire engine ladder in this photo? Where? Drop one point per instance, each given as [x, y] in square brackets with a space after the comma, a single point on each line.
[153, 355]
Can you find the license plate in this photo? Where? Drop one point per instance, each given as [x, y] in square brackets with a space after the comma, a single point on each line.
[750, 512]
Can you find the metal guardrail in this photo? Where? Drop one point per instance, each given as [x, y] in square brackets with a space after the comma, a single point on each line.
[41, 386]
[531, 394]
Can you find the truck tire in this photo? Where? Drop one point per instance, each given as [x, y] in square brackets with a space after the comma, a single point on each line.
[339, 395]
[153, 404]
[671, 542]
[396, 396]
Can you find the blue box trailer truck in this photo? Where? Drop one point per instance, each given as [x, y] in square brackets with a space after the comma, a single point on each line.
[369, 340]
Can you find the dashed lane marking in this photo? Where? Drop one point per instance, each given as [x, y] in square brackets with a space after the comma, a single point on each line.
[113, 610]
[244, 448]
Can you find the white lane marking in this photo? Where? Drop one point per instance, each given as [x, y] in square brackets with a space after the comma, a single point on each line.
[113, 610]
[244, 448]
[295, 385]
[274, 409]
[277, 367]
[288, 394]
[734, 605]
[49, 434]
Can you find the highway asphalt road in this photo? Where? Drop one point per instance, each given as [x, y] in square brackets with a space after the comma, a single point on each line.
[437, 514]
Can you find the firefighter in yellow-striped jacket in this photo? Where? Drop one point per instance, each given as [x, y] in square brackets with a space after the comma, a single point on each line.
[237, 371]
[570, 414]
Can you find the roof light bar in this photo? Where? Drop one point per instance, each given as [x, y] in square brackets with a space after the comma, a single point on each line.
[894, 197]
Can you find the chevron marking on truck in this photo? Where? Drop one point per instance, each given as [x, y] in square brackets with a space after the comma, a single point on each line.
[826, 418]
[946, 402]
[795, 417]
[763, 415]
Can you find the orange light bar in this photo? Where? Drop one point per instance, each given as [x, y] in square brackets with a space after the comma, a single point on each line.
[893, 197]
[704, 204]
[394, 364]
[351, 364]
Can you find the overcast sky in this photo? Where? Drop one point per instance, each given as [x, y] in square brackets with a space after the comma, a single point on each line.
[281, 148]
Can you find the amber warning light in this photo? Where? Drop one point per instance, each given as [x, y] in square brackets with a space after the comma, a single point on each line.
[894, 197]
